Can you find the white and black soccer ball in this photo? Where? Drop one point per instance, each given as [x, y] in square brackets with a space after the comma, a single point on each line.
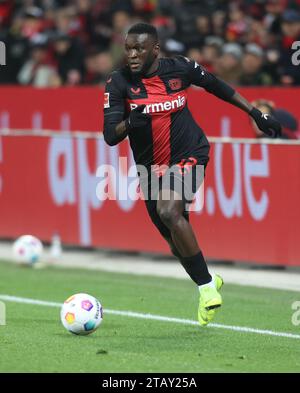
[81, 314]
[27, 249]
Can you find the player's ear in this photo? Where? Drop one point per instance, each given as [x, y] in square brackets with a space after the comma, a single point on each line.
[157, 48]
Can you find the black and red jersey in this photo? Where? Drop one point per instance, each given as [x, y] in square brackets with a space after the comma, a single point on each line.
[172, 134]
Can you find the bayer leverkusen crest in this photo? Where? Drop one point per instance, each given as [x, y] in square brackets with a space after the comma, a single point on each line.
[175, 84]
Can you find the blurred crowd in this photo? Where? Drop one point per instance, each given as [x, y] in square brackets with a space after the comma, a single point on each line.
[75, 42]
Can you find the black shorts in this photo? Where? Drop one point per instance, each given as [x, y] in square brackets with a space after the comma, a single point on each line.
[185, 177]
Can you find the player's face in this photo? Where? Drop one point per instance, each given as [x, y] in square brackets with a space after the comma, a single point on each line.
[141, 51]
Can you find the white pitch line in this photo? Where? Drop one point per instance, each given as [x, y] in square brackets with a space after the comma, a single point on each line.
[132, 314]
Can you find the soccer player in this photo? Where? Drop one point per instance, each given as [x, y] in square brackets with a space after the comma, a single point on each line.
[147, 101]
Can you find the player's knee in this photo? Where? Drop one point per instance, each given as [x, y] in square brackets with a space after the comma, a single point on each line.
[169, 214]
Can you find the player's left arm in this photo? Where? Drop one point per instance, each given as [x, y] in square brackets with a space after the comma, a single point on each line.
[216, 86]
[265, 122]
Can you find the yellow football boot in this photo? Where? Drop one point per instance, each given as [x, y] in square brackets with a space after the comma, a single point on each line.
[210, 300]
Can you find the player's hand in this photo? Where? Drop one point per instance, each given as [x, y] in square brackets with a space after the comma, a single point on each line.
[266, 123]
[137, 119]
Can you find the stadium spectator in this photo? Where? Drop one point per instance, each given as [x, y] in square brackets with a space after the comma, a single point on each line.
[202, 30]
[290, 73]
[17, 49]
[184, 21]
[120, 23]
[211, 52]
[272, 16]
[37, 70]
[290, 125]
[258, 34]
[32, 22]
[6, 8]
[185, 27]
[98, 65]
[228, 65]
[165, 26]
[218, 22]
[69, 56]
[252, 73]
[238, 23]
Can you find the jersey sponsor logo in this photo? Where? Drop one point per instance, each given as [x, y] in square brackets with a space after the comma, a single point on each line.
[135, 91]
[175, 84]
[106, 100]
[162, 106]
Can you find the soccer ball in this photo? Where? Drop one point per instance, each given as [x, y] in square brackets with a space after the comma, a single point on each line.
[27, 249]
[81, 314]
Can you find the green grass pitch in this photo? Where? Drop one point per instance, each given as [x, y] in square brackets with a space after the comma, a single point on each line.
[34, 340]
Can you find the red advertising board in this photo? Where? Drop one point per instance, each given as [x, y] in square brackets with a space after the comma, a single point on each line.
[251, 210]
[81, 108]
[251, 207]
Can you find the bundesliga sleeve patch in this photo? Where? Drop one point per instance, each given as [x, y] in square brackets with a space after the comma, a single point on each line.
[106, 100]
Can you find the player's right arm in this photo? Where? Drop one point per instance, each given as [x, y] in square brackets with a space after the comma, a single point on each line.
[116, 128]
